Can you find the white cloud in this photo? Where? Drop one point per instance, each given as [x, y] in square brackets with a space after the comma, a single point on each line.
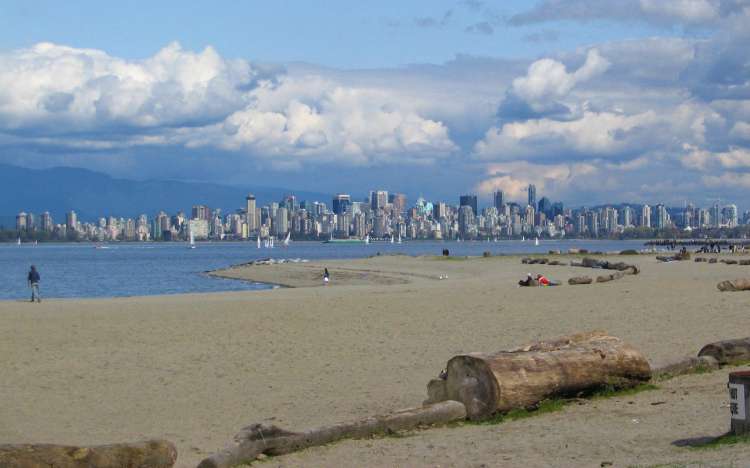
[547, 80]
[513, 178]
[52, 88]
[701, 159]
[594, 135]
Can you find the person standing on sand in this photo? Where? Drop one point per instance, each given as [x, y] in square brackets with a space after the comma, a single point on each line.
[33, 280]
[326, 277]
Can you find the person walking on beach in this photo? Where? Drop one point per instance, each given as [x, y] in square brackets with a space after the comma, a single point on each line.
[33, 280]
[326, 277]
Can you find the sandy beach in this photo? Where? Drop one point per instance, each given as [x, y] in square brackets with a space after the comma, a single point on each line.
[196, 368]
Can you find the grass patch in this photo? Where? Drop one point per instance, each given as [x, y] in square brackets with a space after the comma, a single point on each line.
[609, 391]
[544, 407]
[719, 442]
[450, 258]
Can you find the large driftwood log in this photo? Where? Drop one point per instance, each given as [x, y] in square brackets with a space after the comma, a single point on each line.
[580, 280]
[686, 365]
[734, 285]
[521, 378]
[259, 439]
[147, 454]
[610, 277]
[728, 351]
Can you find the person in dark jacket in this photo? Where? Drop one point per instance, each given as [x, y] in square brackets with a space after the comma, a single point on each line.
[34, 279]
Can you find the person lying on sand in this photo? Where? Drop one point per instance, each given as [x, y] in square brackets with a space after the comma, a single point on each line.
[529, 281]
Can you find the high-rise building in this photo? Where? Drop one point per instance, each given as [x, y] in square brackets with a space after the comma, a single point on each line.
[47, 224]
[201, 212]
[281, 221]
[470, 201]
[645, 216]
[627, 216]
[71, 221]
[545, 206]
[398, 200]
[439, 210]
[499, 200]
[465, 220]
[715, 216]
[251, 217]
[378, 199]
[532, 195]
[662, 217]
[21, 224]
[341, 203]
[730, 215]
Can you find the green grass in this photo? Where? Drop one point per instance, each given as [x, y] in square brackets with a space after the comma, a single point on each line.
[609, 391]
[721, 441]
[544, 407]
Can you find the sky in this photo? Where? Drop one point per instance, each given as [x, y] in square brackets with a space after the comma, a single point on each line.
[593, 101]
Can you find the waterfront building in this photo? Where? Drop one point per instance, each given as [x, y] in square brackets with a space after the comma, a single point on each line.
[251, 217]
[470, 201]
[532, 195]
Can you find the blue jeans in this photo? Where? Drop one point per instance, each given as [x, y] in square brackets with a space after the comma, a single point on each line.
[35, 292]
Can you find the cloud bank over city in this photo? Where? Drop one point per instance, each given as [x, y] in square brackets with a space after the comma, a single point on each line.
[657, 117]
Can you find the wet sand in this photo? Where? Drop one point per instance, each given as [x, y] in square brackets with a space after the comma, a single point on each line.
[196, 368]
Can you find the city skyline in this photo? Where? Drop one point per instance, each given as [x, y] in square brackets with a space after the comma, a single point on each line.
[383, 215]
[589, 101]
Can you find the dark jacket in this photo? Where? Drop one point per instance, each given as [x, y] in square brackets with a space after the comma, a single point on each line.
[34, 276]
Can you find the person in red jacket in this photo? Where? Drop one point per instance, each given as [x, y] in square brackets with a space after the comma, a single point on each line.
[542, 280]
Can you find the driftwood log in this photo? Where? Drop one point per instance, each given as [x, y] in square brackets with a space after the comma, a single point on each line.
[610, 277]
[713, 260]
[728, 261]
[728, 351]
[146, 454]
[259, 439]
[686, 365]
[742, 284]
[745, 262]
[580, 280]
[523, 377]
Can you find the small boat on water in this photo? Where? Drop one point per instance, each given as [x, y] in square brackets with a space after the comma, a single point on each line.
[18, 242]
[536, 241]
[287, 239]
[192, 241]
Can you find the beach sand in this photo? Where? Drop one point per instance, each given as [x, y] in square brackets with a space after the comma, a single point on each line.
[196, 368]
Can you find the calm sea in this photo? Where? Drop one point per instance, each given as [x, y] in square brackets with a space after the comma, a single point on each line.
[139, 269]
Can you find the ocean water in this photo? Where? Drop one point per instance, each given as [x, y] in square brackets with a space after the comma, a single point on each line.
[141, 269]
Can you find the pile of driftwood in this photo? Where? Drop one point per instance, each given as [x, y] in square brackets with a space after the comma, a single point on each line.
[541, 261]
[728, 261]
[742, 284]
[606, 265]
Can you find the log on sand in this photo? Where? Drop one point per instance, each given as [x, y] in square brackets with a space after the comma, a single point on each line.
[521, 378]
[580, 280]
[742, 284]
[728, 351]
[146, 454]
[259, 439]
[610, 277]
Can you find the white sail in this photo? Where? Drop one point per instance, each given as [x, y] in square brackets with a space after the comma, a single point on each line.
[271, 245]
[288, 238]
[399, 237]
[258, 240]
[367, 239]
[523, 238]
[192, 240]
[19, 241]
[392, 239]
[536, 241]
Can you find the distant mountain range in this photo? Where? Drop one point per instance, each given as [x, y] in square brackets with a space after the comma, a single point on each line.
[94, 194]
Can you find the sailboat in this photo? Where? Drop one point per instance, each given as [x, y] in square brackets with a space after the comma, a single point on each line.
[270, 244]
[18, 242]
[288, 238]
[399, 237]
[392, 241]
[192, 240]
[367, 239]
[258, 240]
[536, 241]
[523, 238]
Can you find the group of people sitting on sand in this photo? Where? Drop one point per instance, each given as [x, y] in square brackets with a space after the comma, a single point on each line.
[540, 280]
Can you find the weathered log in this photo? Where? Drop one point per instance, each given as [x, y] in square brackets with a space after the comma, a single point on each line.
[728, 351]
[521, 378]
[742, 284]
[700, 259]
[745, 262]
[728, 261]
[146, 454]
[686, 365]
[258, 439]
[557, 263]
[580, 280]
[610, 277]
[712, 260]
[591, 263]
